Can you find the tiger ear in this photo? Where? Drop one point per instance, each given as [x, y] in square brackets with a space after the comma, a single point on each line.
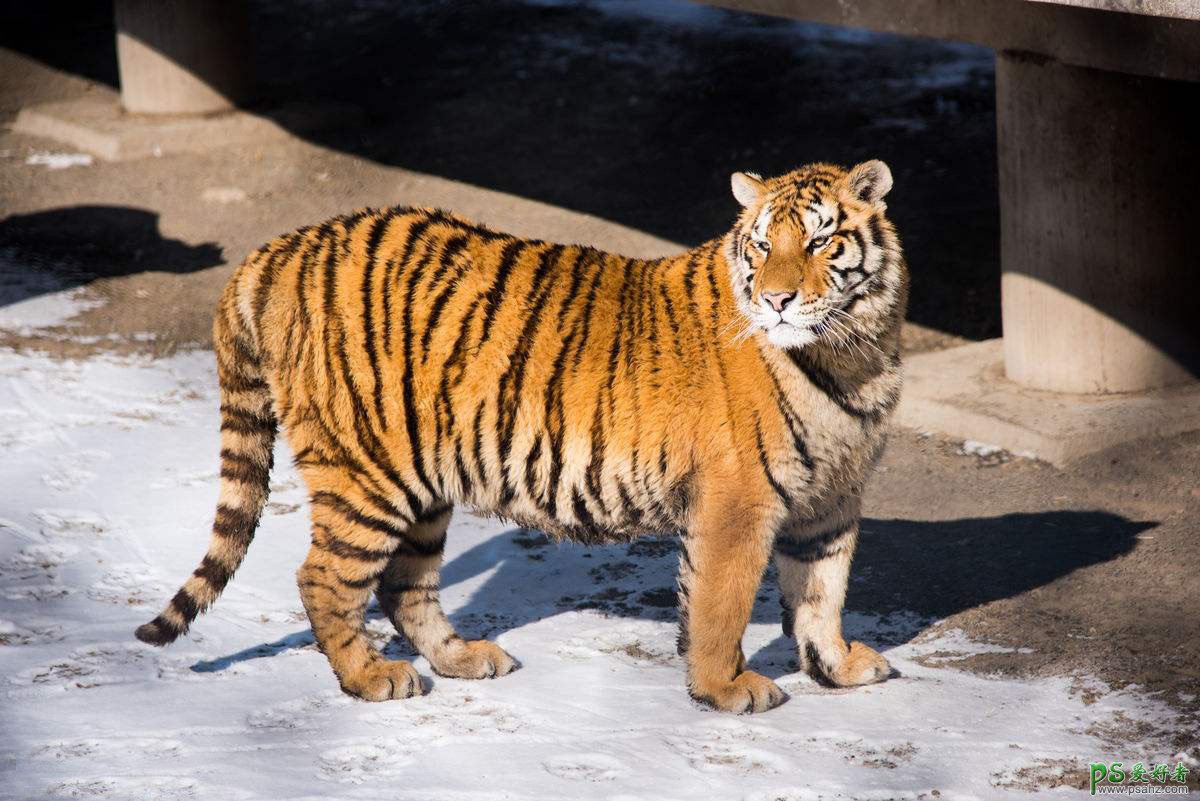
[869, 181]
[747, 186]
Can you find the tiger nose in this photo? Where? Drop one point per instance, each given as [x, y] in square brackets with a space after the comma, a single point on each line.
[778, 299]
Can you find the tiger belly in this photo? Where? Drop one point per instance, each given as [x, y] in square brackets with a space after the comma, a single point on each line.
[615, 502]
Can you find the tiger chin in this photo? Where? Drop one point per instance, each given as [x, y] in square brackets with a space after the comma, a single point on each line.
[738, 393]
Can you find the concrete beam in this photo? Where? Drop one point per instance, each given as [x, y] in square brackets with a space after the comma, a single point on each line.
[1078, 33]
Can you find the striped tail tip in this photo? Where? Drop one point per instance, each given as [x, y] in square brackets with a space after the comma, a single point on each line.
[157, 632]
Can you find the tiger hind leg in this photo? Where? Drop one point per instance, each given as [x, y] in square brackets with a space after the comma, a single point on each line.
[408, 595]
[813, 571]
[350, 550]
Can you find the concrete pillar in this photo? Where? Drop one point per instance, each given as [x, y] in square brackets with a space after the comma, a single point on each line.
[183, 56]
[1100, 227]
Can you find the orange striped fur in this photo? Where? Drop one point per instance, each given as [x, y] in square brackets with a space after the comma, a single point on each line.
[738, 393]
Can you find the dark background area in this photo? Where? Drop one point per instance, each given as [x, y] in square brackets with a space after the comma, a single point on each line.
[630, 115]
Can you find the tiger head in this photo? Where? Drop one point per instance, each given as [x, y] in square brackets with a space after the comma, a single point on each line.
[809, 246]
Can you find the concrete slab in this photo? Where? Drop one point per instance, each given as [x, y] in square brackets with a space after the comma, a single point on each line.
[98, 125]
[1177, 9]
[962, 393]
[1152, 38]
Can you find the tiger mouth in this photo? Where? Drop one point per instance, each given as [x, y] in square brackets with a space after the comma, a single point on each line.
[808, 323]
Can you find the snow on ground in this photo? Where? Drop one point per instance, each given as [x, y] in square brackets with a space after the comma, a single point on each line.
[33, 298]
[109, 479]
[59, 161]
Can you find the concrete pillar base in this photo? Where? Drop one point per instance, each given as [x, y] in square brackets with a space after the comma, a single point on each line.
[963, 393]
[1098, 179]
[98, 125]
[183, 56]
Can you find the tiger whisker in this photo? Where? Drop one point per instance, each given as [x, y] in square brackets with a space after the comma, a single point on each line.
[842, 320]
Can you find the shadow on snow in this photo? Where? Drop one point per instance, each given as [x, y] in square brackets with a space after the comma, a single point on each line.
[906, 574]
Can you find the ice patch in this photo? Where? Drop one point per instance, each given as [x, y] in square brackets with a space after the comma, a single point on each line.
[585, 767]
[953, 645]
[629, 643]
[223, 195]
[364, 761]
[726, 749]
[45, 556]
[196, 478]
[34, 298]
[31, 631]
[123, 788]
[75, 523]
[89, 667]
[35, 592]
[67, 750]
[58, 161]
[451, 715]
[974, 448]
[298, 714]
[74, 470]
[131, 584]
[788, 794]
[25, 317]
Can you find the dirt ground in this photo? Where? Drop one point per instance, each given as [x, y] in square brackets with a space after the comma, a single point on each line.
[637, 119]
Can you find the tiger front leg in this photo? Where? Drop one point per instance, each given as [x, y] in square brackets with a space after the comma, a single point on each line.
[721, 566]
[814, 566]
[408, 595]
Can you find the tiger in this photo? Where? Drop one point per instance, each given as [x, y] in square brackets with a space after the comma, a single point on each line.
[736, 395]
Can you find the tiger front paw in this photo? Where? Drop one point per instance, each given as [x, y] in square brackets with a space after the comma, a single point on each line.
[384, 680]
[474, 659]
[748, 692]
[851, 666]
